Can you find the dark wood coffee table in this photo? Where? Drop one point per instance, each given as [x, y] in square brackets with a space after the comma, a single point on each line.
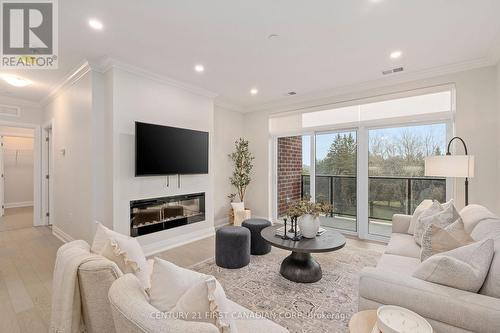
[300, 266]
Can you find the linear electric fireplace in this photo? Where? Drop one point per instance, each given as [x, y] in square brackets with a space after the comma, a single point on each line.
[153, 215]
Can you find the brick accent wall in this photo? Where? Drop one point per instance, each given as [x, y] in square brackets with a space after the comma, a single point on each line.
[289, 172]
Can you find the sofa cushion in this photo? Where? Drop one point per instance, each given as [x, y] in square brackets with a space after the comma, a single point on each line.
[491, 286]
[436, 239]
[399, 264]
[473, 214]
[403, 245]
[487, 228]
[463, 268]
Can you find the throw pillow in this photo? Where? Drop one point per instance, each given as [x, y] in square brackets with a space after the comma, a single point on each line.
[424, 205]
[419, 226]
[436, 239]
[198, 297]
[462, 268]
[126, 253]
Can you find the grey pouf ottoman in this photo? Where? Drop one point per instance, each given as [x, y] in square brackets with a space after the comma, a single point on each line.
[258, 245]
[232, 247]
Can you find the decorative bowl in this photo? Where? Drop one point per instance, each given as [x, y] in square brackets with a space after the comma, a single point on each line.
[395, 319]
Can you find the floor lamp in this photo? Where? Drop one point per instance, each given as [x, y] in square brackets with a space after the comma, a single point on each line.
[457, 166]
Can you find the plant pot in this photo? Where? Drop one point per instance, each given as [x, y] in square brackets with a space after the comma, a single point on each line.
[309, 225]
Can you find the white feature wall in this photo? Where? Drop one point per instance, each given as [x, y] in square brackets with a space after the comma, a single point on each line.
[18, 171]
[137, 97]
[228, 127]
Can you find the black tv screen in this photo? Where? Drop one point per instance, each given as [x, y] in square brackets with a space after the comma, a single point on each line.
[164, 150]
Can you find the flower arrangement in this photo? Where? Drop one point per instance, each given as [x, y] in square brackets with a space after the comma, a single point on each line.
[305, 207]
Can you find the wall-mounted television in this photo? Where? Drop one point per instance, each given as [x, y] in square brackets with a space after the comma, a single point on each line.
[163, 150]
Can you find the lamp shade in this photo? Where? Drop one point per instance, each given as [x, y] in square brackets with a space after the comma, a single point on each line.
[450, 166]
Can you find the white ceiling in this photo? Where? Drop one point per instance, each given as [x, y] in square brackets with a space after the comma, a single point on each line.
[322, 45]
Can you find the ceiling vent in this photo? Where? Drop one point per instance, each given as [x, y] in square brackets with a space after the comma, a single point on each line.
[291, 93]
[8, 110]
[392, 71]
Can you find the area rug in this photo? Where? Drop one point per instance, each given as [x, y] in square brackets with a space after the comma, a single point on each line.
[324, 306]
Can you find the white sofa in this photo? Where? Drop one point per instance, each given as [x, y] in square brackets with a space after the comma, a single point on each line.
[447, 309]
[127, 304]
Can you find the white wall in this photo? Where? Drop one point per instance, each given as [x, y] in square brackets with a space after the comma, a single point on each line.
[137, 97]
[31, 113]
[18, 171]
[228, 127]
[71, 112]
[477, 121]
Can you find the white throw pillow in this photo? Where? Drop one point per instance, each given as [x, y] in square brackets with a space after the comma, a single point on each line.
[125, 251]
[463, 268]
[198, 297]
[238, 206]
[416, 214]
[437, 214]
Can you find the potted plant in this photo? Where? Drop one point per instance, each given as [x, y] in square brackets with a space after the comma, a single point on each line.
[309, 213]
[242, 160]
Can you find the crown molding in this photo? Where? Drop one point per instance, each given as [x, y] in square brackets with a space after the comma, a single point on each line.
[321, 97]
[227, 105]
[110, 63]
[74, 76]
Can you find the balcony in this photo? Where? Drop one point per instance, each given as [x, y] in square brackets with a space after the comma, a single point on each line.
[387, 196]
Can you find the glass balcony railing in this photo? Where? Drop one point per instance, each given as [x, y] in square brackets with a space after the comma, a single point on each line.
[387, 195]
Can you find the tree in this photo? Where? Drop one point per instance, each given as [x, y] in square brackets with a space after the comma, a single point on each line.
[243, 163]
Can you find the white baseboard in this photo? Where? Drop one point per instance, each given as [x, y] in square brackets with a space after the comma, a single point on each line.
[18, 204]
[64, 237]
[168, 244]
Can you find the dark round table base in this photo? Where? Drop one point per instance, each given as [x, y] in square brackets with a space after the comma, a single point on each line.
[301, 268]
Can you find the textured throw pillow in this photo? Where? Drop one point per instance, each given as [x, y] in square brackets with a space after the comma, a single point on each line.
[436, 239]
[416, 214]
[433, 209]
[462, 268]
[198, 297]
[125, 252]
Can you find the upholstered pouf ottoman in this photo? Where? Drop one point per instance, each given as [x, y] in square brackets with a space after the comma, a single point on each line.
[258, 245]
[232, 247]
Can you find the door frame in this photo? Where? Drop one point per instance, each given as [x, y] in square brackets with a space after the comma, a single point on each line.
[47, 168]
[37, 172]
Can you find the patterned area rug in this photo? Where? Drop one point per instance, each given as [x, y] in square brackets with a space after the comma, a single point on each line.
[324, 306]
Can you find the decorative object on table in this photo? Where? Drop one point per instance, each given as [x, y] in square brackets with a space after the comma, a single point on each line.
[258, 246]
[309, 213]
[300, 266]
[284, 236]
[242, 160]
[395, 319]
[457, 166]
[232, 247]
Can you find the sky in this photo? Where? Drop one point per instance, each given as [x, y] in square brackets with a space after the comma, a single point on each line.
[323, 141]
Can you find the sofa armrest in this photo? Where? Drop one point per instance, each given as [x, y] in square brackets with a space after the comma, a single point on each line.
[400, 223]
[458, 308]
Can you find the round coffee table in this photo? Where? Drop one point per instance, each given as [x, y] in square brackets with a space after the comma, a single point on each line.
[300, 266]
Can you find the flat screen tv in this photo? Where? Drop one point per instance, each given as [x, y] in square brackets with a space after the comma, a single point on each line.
[163, 150]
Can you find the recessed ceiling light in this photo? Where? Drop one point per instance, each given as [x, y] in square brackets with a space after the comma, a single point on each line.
[254, 91]
[16, 81]
[96, 24]
[199, 68]
[396, 54]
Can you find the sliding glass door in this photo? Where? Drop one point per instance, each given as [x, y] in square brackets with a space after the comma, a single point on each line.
[336, 177]
[396, 180]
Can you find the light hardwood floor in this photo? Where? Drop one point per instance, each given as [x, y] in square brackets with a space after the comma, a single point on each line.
[27, 257]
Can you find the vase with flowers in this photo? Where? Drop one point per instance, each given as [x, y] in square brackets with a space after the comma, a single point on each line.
[309, 213]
